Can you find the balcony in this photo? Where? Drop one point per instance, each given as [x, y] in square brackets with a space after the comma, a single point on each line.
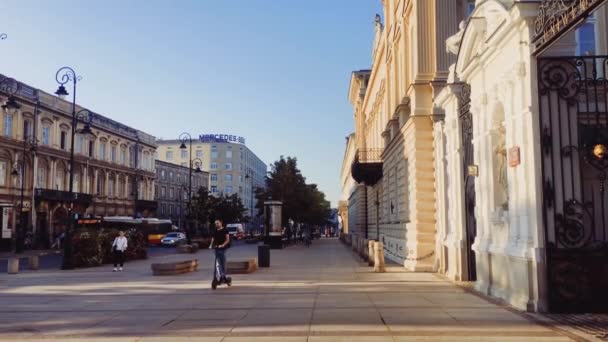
[142, 205]
[62, 196]
[367, 166]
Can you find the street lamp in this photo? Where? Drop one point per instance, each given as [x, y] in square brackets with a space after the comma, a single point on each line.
[28, 143]
[65, 75]
[187, 138]
[3, 36]
[247, 176]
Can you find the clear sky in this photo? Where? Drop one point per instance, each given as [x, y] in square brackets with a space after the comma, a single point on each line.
[274, 71]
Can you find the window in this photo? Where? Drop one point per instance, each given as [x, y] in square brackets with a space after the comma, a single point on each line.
[41, 178]
[214, 177]
[228, 178]
[91, 148]
[162, 209]
[156, 191]
[111, 187]
[113, 154]
[171, 176]
[59, 179]
[169, 155]
[163, 175]
[123, 155]
[3, 165]
[185, 195]
[214, 189]
[171, 209]
[8, 125]
[184, 154]
[46, 135]
[585, 37]
[102, 151]
[179, 178]
[163, 192]
[76, 182]
[63, 141]
[213, 152]
[229, 154]
[171, 193]
[27, 129]
[132, 156]
[199, 154]
[228, 190]
[228, 166]
[214, 166]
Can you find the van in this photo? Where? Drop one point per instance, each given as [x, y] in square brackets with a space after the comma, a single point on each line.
[236, 230]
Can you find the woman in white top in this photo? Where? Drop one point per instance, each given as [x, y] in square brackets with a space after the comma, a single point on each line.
[119, 246]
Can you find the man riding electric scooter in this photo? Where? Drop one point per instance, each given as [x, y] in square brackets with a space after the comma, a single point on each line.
[220, 241]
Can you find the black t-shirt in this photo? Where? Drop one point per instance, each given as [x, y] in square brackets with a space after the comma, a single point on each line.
[220, 236]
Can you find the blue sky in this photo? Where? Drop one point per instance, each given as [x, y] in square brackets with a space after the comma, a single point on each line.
[273, 71]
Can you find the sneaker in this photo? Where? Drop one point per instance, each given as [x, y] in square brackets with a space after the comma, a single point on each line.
[120, 269]
[115, 269]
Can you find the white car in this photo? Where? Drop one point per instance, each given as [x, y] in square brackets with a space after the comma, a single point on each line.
[173, 239]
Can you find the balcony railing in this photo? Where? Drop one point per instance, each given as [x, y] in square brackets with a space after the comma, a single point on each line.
[143, 204]
[367, 166]
[370, 155]
[63, 196]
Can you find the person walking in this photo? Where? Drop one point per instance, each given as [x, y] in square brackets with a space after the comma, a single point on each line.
[220, 242]
[119, 247]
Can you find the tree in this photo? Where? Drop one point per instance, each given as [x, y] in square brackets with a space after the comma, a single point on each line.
[301, 202]
[199, 208]
[229, 209]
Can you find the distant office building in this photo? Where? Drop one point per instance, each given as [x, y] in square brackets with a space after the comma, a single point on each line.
[171, 190]
[233, 168]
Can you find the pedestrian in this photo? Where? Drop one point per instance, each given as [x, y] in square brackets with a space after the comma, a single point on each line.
[119, 247]
[220, 241]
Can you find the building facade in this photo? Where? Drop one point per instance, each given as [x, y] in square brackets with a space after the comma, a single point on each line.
[394, 116]
[172, 190]
[113, 174]
[520, 157]
[348, 186]
[233, 168]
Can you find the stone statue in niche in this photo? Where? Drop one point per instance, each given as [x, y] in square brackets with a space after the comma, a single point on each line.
[500, 168]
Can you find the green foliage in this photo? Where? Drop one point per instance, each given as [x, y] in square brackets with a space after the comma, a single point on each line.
[301, 202]
[207, 208]
[93, 246]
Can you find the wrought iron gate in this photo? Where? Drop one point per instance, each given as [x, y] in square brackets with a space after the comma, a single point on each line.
[573, 114]
[466, 129]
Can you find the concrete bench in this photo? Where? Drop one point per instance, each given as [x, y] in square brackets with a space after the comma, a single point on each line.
[242, 266]
[193, 248]
[173, 268]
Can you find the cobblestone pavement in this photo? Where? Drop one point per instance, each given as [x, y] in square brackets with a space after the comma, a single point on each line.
[321, 293]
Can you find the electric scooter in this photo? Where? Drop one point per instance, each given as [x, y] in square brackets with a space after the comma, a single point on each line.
[217, 280]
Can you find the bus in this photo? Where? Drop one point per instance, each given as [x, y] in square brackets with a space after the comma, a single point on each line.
[155, 228]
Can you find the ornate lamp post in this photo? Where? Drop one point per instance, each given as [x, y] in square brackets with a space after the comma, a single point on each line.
[187, 138]
[29, 143]
[249, 175]
[10, 86]
[64, 76]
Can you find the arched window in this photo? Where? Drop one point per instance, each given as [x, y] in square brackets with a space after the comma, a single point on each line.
[60, 177]
[8, 125]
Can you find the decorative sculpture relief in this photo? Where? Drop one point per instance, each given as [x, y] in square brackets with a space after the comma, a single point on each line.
[500, 168]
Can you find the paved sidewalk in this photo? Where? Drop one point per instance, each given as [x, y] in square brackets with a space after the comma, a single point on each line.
[321, 293]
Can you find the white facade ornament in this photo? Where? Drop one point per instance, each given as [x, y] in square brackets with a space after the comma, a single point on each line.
[452, 44]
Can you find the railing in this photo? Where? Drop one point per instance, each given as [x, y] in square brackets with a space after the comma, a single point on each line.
[371, 155]
[62, 196]
[146, 204]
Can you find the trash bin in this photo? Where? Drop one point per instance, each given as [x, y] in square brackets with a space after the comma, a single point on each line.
[264, 256]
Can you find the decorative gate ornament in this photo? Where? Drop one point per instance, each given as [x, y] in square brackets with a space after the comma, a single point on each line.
[470, 171]
[557, 17]
[573, 114]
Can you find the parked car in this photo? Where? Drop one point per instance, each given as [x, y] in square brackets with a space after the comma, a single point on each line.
[173, 239]
[236, 230]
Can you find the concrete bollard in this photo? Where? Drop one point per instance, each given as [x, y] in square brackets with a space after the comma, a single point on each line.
[33, 262]
[13, 266]
[379, 258]
[370, 251]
